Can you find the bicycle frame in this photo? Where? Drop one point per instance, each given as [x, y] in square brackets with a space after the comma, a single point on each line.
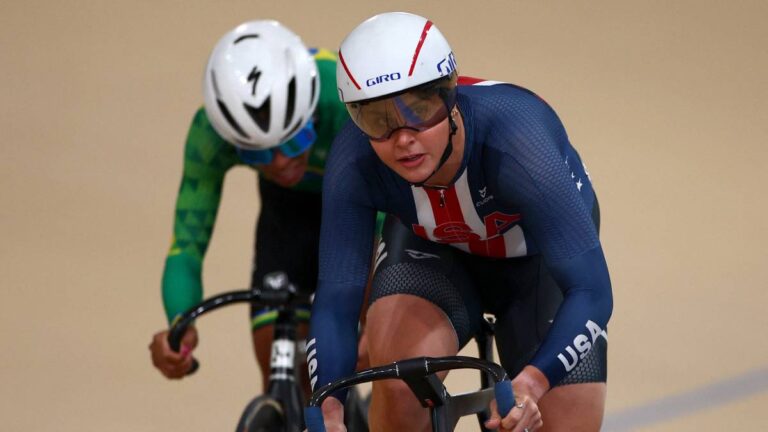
[281, 294]
[282, 376]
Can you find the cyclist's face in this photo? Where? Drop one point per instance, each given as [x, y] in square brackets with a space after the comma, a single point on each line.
[411, 154]
[283, 170]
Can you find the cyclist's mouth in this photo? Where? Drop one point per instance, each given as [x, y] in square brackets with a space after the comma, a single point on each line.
[411, 161]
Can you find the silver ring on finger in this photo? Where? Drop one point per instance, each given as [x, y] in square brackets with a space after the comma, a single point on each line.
[520, 405]
[526, 430]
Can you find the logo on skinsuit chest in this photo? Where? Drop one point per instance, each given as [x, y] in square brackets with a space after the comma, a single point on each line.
[496, 224]
[484, 199]
[451, 215]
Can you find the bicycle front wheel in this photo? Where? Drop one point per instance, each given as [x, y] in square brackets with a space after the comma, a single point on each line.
[262, 414]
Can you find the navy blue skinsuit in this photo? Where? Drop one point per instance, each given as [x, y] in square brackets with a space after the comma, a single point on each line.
[522, 190]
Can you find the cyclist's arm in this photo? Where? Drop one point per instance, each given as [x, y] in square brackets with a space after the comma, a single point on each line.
[346, 241]
[555, 214]
[207, 158]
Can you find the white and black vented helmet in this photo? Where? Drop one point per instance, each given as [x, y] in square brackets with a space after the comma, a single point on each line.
[261, 85]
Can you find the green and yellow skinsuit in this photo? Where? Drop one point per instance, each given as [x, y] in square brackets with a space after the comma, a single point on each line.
[207, 159]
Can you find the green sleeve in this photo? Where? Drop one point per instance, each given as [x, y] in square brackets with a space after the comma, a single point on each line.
[380, 217]
[207, 158]
[336, 114]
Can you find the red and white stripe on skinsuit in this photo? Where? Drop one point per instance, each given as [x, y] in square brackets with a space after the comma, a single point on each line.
[453, 219]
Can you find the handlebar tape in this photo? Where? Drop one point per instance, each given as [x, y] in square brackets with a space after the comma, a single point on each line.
[505, 397]
[313, 416]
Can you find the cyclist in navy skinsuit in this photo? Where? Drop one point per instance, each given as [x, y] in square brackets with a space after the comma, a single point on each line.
[492, 210]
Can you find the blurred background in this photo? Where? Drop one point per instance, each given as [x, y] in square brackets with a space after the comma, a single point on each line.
[665, 100]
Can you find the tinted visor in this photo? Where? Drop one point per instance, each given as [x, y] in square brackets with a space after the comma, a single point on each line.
[292, 148]
[419, 108]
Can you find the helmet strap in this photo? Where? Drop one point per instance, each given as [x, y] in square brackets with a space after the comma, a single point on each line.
[446, 153]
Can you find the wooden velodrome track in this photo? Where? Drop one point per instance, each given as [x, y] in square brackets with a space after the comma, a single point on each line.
[665, 100]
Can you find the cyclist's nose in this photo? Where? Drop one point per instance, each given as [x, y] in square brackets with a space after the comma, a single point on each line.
[404, 136]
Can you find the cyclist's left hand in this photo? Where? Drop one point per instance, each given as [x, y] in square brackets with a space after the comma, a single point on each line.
[174, 365]
[528, 386]
[524, 416]
[333, 415]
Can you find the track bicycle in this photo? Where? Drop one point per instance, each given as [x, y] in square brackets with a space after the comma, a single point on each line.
[419, 374]
[280, 408]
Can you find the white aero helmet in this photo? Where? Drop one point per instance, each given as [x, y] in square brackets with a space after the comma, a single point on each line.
[389, 53]
[261, 85]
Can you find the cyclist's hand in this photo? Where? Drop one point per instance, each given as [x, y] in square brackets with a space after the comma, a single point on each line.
[524, 416]
[333, 415]
[174, 365]
[528, 386]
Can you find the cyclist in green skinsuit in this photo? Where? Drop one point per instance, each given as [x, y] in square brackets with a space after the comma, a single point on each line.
[271, 104]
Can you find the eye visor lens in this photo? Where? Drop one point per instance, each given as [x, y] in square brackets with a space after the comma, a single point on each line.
[419, 108]
[296, 146]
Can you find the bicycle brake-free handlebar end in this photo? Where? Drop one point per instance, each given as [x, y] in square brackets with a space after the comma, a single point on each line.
[313, 416]
[505, 397]
[194, 368]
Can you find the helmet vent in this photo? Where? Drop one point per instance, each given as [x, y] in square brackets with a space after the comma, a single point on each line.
[215, 85]
[230, 119]
[224, 110]
[314, 89]
[244, 37]
[260, 115]
[291, 103]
